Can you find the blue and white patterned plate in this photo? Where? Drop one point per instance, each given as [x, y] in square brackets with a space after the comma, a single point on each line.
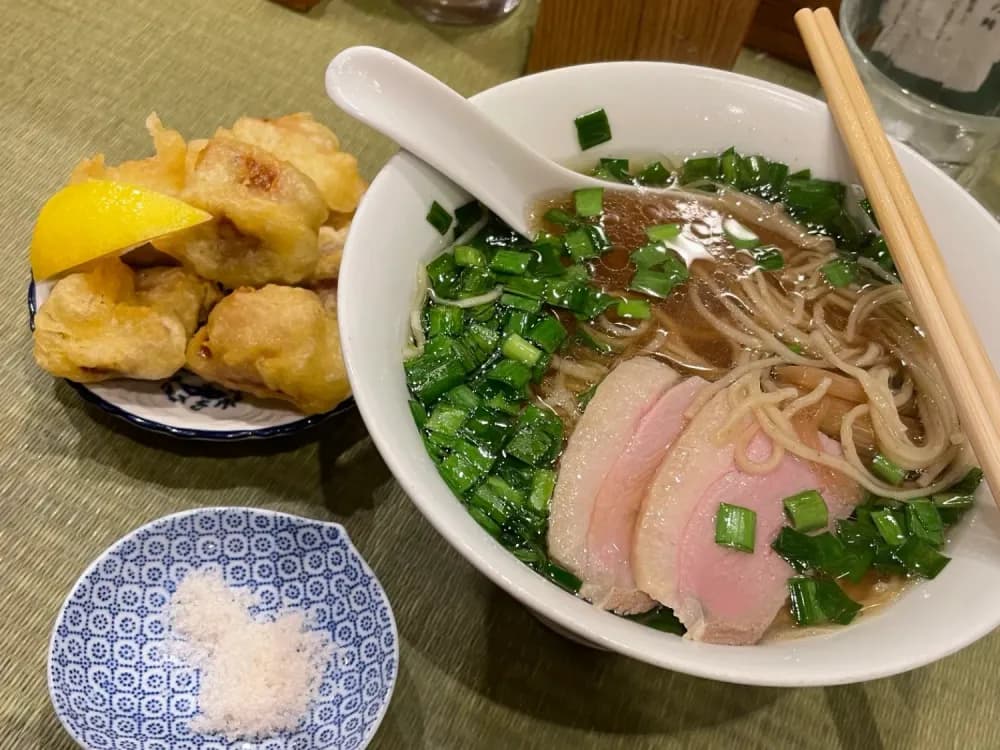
[185, 406]
[112, 683]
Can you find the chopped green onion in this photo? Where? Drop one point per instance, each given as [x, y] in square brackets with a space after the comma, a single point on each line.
[509, 372]
[532, 446]
[735, 527]
[445, 320]
[463, 397]
[429, 378]
[802, 174]
[769, 258]
[700, 168]
[517, 348]
[660, 232]
[949, 499]
[659, 618]
[518, 321]
[446, 419]
[804, 596]
[583, 399]
[488, 524]
[443, 275]
[511, 261]
[885, 469]
[838, 272]
[458, 473]
[889, 526]
[592, 129]
[542, 485]
[837, 606]
[806, 511]
[651, 282]
[558, 216]
[968, 484]
[467, 255]
[598, 238]
[794, 347]
[649, 255]
[526, 287]
[920, 559]
[633, 308]
[924, 521]
[579, 244]
[615, 169]
[654, 173]
[589, 201]
[419, 413]
[439, 218]
[521, 303]
[570, 293]
[548, 333]
[739, 235]
[560, 577]
[466, 215]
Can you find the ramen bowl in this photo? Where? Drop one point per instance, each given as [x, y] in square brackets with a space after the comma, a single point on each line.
[661, 108]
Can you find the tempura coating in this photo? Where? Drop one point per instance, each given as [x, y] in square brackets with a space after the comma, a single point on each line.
[111, 322]
[312, 148]
[267, 221]
[331, 252]
[163, 172]
[276, 342]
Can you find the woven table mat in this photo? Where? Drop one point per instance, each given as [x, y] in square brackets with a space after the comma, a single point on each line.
[477, 670]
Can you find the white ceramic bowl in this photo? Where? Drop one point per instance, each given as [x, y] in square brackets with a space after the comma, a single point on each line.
[680, 110]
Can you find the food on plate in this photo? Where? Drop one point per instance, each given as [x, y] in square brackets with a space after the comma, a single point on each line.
[709, 409]
[310, 147]
[259, 677]
[163, 172]
[276, 342]
[258, 208]
[267, 216]
[114, 322]
[87, 221]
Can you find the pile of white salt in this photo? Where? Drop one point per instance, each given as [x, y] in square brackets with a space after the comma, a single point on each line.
[257, 677]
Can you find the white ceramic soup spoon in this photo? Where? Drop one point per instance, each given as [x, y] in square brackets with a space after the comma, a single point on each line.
[438, 125]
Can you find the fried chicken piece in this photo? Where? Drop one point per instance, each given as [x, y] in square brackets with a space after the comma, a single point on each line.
[331, 252]
[277, 342]
[312, 148]
[111, 322]
[163, 173]
[267, 221]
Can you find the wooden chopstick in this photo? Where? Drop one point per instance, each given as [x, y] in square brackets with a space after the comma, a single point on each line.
[961, 355]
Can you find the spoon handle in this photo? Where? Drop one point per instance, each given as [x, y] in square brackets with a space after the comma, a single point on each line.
[441, 127]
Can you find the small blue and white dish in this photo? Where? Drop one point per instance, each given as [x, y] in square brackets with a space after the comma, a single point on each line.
[186, 406]
[115, 687]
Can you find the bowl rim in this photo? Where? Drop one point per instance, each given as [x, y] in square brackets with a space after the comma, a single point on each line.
[502, 573]
[189, 433]
[394, 629]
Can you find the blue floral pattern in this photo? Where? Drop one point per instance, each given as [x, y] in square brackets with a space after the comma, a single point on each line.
[115, 687]
[190, 390]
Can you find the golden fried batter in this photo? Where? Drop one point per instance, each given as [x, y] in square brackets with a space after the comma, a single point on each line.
[112, 322]
[163, 173]
[331, 251]
[267, 213]
[312, 148]
[277, 342]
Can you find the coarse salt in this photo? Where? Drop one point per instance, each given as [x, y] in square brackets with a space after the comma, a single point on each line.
[258, 677]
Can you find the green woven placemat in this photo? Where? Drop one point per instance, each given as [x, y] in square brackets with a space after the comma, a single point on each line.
[477, 670]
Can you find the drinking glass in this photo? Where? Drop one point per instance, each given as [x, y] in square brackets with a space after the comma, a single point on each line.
[932, 69]
[461, 12]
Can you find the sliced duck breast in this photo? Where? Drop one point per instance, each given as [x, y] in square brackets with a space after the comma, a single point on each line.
[720, 594]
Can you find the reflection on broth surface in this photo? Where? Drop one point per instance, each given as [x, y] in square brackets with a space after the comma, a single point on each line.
[694, 406]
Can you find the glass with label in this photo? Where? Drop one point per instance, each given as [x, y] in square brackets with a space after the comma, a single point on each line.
[932, 69]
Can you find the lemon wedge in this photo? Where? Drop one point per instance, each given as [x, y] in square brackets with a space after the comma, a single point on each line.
[90, 220]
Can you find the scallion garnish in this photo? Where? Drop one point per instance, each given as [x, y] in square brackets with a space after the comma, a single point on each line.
[655, 174]
[510, 261]
[592, 129]
[633, 308]
[543, 482]
[518, 348]
[700, 168]
[439, 218]
[806, 511]
[548, 333]
[527, 304]
[884, 468]
[469, 256]
[889, 526]
[769, 258]
[736, 527]
[588, 201]
[558, 216]
[509, 372]
[655, 283]
[920, 559]
[924, 521]
[815, 601]
[739, 235]
[839, 272]
[579, 245]
[614, 169]
[661, 232]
